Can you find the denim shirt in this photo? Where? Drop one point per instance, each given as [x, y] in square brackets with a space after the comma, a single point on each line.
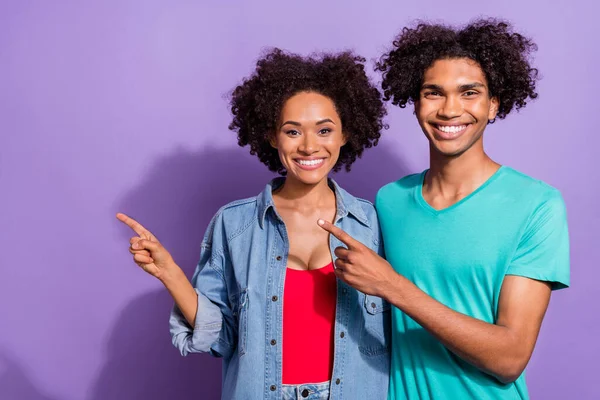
[240, 280]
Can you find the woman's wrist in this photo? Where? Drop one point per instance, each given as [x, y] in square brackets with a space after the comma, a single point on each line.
[172, 276]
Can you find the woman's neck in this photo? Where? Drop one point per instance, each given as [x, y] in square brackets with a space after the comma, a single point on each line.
[301, 196]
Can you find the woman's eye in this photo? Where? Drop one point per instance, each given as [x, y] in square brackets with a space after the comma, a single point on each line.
[292, 132]
[324, 131]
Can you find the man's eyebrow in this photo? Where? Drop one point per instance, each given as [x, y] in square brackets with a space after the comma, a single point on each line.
[431, 86]
[461, 88]
[468, 86]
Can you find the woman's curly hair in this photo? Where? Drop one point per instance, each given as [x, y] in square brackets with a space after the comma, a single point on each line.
[502, 54]
[256, 104]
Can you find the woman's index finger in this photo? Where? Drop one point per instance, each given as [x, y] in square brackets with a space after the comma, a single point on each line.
[133, 224]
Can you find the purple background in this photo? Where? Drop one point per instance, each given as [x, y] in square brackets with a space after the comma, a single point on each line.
[118, 106]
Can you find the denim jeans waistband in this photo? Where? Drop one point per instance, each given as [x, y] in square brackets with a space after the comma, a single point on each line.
[307, 391]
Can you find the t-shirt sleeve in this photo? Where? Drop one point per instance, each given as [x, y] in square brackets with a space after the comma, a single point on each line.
[543, 251]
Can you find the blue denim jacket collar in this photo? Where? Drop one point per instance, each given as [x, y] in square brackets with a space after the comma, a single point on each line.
[345, 203]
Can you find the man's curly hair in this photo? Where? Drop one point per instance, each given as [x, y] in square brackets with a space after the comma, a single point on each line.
[257, 102]
[502, 54]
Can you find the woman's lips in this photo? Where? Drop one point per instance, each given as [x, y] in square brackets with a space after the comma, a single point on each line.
[309, 164]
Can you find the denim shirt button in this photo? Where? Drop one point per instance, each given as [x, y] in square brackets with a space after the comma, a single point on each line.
[273, 342]
[344, 290]
[373, 305]
[305, 393]
[337, 381]
[274, 298]
[273, 388]
[342, 334]
[278, 258]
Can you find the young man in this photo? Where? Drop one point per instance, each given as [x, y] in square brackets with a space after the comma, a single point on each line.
[474, 248]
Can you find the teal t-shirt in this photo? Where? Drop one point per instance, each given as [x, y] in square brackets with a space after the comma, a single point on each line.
[512, 224]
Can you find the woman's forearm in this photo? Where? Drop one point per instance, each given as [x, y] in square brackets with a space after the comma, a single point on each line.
[183, 293]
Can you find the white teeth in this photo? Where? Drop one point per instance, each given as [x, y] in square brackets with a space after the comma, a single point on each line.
[310, 162]
[451, 129]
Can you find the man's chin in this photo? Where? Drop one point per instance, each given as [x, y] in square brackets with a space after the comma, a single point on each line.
[450, 152]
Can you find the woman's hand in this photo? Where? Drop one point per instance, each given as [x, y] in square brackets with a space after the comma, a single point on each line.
[153, 258]
[147, 251]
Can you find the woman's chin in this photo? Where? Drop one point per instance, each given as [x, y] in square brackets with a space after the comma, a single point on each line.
[308, 177]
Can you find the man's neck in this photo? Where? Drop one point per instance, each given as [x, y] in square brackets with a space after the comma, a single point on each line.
[450, 179]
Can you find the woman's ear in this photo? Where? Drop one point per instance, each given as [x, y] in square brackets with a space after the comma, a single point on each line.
[344, 140]
[273, 140]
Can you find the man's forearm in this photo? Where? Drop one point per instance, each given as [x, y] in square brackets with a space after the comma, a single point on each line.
[494, 349]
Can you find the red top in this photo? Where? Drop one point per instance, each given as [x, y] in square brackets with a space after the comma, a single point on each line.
[308, 325]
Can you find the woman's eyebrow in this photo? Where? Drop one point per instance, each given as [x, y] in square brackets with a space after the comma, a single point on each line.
[324, 121]
[290, 123]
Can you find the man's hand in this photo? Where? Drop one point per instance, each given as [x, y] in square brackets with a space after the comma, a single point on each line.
[359, 266]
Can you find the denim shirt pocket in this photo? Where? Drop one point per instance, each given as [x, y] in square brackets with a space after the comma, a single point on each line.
[375, 332]
[239, 302]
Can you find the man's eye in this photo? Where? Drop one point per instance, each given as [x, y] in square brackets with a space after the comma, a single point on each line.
[470, 93]
[431, 94]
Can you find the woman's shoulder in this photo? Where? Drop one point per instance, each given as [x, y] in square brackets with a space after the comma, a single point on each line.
[364, 223]
[238, 206]
[231, 218]
[363, 210]
[368, 208]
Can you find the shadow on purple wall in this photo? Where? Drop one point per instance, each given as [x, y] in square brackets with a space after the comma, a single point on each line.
[142, 363]
[14, 382]
[176, 200]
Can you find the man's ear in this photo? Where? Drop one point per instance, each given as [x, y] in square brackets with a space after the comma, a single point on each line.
[494, 106]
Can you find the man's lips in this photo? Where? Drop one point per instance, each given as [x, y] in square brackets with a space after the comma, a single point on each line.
[450, 131]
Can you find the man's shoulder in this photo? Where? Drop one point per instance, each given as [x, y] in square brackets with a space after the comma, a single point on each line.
[403, 185]
[527, 187]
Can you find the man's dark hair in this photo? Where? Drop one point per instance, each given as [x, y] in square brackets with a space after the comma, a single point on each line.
[502, 54]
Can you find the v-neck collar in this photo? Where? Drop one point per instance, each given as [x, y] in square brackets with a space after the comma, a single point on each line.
[421, 200]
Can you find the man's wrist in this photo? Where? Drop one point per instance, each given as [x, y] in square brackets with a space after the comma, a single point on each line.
[392, 287]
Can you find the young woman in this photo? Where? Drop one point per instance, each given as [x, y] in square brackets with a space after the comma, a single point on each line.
[264, 296]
